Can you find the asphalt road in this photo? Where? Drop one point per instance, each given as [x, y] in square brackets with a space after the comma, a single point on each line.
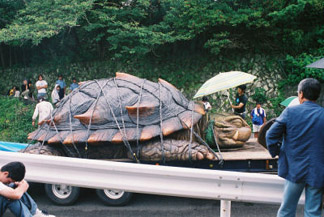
[89, 205]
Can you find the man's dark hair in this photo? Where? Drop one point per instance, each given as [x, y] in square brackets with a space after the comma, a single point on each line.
[60, 75]
[258, 103]
[242, 87]
[15, 169]
[310, 87]
[41, 99]
[73, 78]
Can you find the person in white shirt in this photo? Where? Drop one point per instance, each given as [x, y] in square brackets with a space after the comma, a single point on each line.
[43, 110]
[41, 86]
[13, 192]
[207, 105]
[55, 94]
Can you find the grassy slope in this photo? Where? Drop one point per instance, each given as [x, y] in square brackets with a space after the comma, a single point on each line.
[15, 119]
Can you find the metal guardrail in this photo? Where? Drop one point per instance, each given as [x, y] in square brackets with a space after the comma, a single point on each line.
[152, 179]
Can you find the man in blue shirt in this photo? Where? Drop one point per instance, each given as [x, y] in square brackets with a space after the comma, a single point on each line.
[74, 84]
[300, 128]
[62, 84]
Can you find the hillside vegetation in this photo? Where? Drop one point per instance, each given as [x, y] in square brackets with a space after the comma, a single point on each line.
[15, 119]
[182, 41]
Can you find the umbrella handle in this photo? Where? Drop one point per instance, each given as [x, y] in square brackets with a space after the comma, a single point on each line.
[230, 101]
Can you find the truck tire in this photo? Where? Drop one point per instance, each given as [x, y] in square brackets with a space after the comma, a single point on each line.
[114, 197]
[62, 194]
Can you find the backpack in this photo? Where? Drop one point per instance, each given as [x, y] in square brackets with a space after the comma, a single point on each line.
[256, 119]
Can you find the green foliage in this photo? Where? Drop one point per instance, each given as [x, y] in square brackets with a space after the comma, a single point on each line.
[110, 29]
[259, 95]
[276, 104]
[41, 19]
[296, 68]
[15, 120]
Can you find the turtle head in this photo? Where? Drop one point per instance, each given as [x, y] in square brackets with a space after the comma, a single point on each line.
[230, 130]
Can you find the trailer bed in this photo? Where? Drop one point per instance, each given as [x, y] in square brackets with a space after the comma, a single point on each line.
[252, 150]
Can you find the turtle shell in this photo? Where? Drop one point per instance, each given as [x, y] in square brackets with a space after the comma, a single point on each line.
[118, 109]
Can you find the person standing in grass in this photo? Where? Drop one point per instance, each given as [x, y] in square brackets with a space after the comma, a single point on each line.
[41, 86]
[62, 84]
[74, 84]
[43, 110]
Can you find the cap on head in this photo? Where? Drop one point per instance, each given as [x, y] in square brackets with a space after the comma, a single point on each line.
[242, 87]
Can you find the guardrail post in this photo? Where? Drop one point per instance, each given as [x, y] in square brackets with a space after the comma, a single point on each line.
[225, 208]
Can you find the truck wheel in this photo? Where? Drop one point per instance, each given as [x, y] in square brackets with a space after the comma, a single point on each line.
[114, 197]
[62, 194]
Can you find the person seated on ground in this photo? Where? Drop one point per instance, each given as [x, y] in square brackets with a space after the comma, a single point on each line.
[13, 192]
[240, 101]
[17, 92]
[55, 94]
[74, 84]
[25, 89]
[13, 91]
[258, 116]
[31, 89]
[44, 109]
[62, 84]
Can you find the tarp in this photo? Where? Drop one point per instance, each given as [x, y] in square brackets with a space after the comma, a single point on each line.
[11, 146]
[319, 64]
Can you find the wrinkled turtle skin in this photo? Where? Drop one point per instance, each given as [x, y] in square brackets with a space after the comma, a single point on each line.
[102, 117]
[231, 130]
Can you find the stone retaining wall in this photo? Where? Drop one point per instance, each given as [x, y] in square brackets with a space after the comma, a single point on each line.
[267, 69]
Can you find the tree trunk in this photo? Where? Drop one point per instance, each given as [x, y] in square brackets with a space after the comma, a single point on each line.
[2, 57]
[15, 56]
[77, 46]
[10, 58]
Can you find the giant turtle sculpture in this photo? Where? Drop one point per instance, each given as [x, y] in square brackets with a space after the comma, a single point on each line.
[124, 116]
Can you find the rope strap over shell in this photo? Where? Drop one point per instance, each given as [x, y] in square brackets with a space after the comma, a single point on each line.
[137, 119]
[128, 146]
[161, 125]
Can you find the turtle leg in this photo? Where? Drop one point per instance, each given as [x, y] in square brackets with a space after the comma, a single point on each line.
[174, 150]
[44, 150]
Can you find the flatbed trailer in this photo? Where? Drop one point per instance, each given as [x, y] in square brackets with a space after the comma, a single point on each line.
[252, 157]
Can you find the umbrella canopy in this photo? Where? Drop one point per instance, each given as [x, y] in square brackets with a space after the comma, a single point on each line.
[290, 101]
[319, 64]
[224, 81]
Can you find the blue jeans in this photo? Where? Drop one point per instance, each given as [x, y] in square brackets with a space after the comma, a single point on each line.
[25, 207]
[39, 95]
[292, 192]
